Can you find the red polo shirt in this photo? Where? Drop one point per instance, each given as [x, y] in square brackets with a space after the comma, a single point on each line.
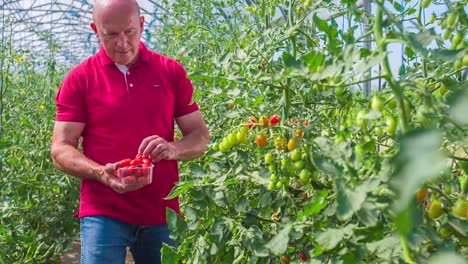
[119, 112]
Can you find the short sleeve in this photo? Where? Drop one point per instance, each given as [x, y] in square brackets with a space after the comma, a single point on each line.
[184, 103]
[70, 99]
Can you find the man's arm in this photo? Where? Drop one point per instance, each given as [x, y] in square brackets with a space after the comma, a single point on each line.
[67, 158]
[194, 143]
[65, 155]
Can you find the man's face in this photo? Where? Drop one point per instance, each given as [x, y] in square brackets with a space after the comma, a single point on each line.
[120, 36]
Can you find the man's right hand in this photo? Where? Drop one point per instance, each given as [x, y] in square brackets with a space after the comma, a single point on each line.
[108, 176]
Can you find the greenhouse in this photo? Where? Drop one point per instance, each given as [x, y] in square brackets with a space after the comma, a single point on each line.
[222, 131]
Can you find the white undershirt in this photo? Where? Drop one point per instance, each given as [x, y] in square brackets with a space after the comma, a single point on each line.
[124, 70]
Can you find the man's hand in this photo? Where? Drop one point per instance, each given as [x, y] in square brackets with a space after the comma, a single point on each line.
[157, 148]
[108, 177]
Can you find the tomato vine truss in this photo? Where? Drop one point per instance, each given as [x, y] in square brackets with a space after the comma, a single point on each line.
[59, 27]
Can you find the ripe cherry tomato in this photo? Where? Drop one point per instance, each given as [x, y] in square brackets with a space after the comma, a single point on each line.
[136, 161]
[298, 134]
[146, 162]
[251, 123]
[302, 256]
[263, 121]
[285, 260]
[274, 119]
[124, 163]
[261, 140]
[421, 195]
[292, 144]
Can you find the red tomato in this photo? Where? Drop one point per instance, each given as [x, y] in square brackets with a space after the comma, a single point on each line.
[261, 140]
[274, 119]
[130, 170]
[142, 180]
[129, 180]
[146, 162]
[302, 256]
[138, 157]
[251, 123]
[135, 162]
[124, 163]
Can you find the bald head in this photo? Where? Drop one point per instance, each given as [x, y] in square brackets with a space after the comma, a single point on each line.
[118, 25]
[108, 8]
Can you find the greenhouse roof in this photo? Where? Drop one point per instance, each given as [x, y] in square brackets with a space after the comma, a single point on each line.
[39, 25]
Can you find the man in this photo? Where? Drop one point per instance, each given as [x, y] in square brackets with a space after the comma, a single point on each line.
[121, 102]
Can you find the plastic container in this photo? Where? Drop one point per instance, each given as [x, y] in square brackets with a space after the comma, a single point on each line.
[136, 174]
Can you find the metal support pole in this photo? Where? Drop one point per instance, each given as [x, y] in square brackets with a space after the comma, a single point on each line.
[368, 44]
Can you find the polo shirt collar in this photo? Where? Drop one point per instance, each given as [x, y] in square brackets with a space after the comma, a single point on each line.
[143, 56]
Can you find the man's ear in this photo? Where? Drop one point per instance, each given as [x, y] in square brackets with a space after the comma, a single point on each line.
[142, 23]
[93, 26]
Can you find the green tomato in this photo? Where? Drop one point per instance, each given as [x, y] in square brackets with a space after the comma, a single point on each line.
[377, 103]
[458, 64]
[299, 165]
[241, 137]
[360, 121]
[378, 131]
[273, 177]
[269, 158]
[452, 19]
[435, 210]
[223, 148]
[232, 138]
[286, 163]
[296, 155]
[426, 3]
[304, 176]
[391, 125]
[460, 208]
[244, 129]
[271, 186]
[422, 118]
[227, 144]
[215, 147]
[279, 185]
[272, 167]
[457, 38]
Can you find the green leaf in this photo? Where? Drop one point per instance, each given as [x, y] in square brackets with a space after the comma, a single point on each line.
[318, 203]
[331, 237]
[169, 254]
[459, 109]
[327, 166]
[419, 160]
[279, 243]
[253, 240]
[447, 257]
[387, 248]
[179, 188]
[458, 225]
[348, 201]
[446, 55]
[175, 223]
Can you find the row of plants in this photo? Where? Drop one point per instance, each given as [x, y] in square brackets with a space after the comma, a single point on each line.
[36, 200]
[303, 164]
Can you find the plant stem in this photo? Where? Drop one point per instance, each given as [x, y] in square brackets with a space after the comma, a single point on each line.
[387, 74]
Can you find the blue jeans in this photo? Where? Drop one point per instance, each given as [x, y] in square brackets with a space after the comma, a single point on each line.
[104, 240]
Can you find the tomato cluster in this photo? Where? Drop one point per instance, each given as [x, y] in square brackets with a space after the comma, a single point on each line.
[137, 171]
